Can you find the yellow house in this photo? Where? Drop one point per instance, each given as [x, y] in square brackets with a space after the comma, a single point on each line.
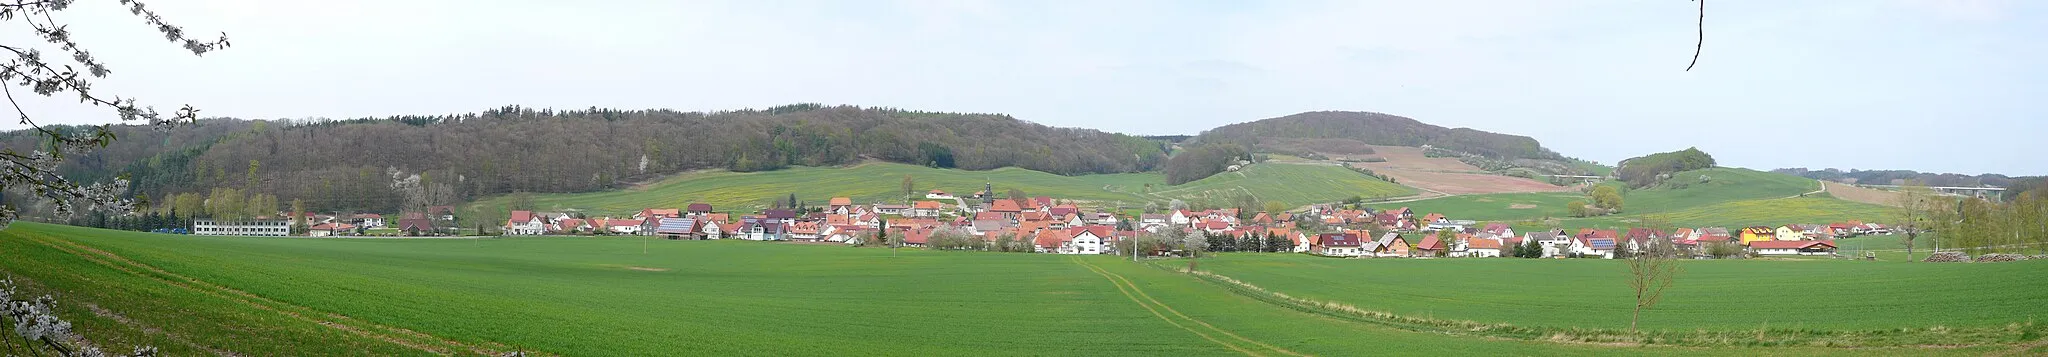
[1787, 232]
[1756, 234]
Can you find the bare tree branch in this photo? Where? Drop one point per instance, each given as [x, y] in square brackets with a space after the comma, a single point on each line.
[1702, 41]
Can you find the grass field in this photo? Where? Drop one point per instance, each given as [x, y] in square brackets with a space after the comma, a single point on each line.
[1293, 184]
[1733, 197]
[604, 296]
[1723, 294]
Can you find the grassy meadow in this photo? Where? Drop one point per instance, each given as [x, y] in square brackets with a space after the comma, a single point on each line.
[1732, 197]
[1711, 294]
[1294, 184]
[605, 296]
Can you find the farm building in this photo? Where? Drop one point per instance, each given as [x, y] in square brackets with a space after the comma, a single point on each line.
[1793, 247]
[254, 227]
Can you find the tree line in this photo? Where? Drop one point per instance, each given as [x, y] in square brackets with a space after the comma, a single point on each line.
[1375, 129]
[1651, 169]
[370, 164]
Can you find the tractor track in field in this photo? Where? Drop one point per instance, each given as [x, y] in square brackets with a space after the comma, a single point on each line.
[1125, 286]
[400, 336]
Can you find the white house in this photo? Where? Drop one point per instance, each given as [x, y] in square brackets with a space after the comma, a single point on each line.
[1084, 241]
[938, 195]
[1450, 224]
[525, 223]
[712, 229]
[369, 220]
[1479, 248]
[253, 227]
[1180, 218]
[623, 226]
[1552, 242]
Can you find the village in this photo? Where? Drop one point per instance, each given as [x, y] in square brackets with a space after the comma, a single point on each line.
[1042, 224]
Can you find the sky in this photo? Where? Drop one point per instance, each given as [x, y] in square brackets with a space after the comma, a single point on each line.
[1941, 86]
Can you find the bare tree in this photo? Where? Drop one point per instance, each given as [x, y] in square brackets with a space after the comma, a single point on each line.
[1651, 270]
[1910, 215]
[30, 69]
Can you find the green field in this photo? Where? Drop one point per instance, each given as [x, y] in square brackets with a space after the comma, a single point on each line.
[1733, 197]
[1713, 295]
[1293, 184]
[604, 296]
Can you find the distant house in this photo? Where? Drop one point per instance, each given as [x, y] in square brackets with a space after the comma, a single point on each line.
[677, 228]
[331, 229]
[523, 223]
[1181, 218]
[1152, 219]
[1389, 245]
[658, 213]
[419, 225]
[806, 231]
[763, 229]
[571, 226]
[1595, 243]
[1481, 248]
[1088, 240]
[1789, 232]
[1757, 234]
[1338, 245]
[1553, 242]
[698, 208]
[894, 209]
[622, 226]
[368, 220]
[1429, 247]
[1050, 240]
[839, 205]
[1500, 230]
[1797, 247]
[925, 209]
[1007, 208]
[938, 195]
[443, 213]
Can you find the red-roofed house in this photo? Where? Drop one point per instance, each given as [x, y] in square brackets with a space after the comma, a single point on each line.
[1007, 208]
[1481, 248]
[925, 209]
[525, 223]
[1429, 247]
[331, 229]
[1793, 247]
[1337, 245]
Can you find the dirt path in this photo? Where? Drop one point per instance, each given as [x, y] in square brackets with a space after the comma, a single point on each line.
[395, 335]
[1127, 287]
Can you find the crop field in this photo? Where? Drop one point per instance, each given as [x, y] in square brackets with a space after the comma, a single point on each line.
[873, 182]
[608, 296]
[1723, 294]
[1731, 198]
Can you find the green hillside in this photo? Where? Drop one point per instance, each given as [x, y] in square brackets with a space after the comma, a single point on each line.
[623, 296]
[1292, 184]
[1684, 191]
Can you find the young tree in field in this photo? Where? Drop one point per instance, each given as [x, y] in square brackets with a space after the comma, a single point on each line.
[1650, 272]
[1911, 212]
[298, 216]
[1195, 242]
[907, 184]
[1444, 238]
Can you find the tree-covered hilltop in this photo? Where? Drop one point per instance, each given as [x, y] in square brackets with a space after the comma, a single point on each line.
[355, 164]
[1375, 129]
[1649, 169]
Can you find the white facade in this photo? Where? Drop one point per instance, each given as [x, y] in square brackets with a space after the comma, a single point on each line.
[259, 228]
[531, 227]
[1086, 243]
[625, 229]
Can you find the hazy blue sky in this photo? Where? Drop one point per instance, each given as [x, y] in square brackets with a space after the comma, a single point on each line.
[1955, 86]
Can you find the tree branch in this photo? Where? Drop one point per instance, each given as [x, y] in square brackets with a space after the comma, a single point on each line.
[1702, 41]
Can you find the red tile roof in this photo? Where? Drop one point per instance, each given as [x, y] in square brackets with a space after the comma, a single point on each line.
[1790, 244]
[521, 217]
[1051, 238]
[1004, 206]
[839, 201]
[1429, 242]
[926, 205]
[1482, 243]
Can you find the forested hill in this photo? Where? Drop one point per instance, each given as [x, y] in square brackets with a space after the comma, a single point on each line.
[1374, 129]
[350, 164]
